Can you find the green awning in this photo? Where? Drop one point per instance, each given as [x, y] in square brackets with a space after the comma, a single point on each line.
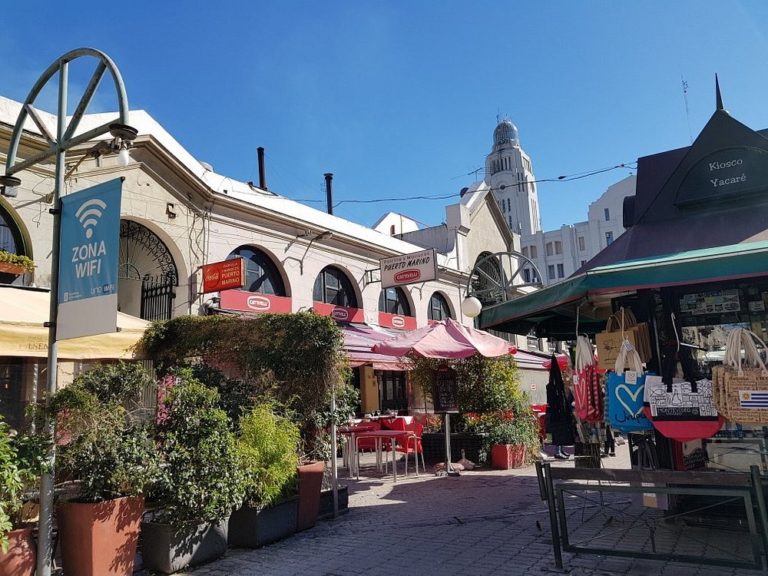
[554, 306]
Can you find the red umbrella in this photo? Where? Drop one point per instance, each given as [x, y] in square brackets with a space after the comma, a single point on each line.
[445, 339]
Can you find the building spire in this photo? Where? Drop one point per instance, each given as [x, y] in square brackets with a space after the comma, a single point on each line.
[717, 94]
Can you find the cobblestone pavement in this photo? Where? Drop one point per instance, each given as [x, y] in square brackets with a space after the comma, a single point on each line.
[482, 522]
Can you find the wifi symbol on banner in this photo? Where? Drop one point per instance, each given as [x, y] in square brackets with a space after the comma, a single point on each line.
[89, 214]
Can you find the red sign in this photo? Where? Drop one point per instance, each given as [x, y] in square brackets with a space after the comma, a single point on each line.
[243, 301]
[224, 275]
[340, 313]
[397, 321]
[407, 276]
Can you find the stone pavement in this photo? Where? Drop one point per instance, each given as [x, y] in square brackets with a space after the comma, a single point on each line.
[482, 522]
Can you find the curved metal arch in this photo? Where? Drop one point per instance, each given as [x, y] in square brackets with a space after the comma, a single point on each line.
[66, 140]
[499, 289]
[154, 246]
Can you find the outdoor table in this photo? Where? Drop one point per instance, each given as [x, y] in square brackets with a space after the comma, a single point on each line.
[349, 441]
[380, 436]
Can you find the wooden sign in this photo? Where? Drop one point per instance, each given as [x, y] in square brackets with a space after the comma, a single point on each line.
[445, 397]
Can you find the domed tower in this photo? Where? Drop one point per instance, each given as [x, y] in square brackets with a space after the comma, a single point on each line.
[510, 175]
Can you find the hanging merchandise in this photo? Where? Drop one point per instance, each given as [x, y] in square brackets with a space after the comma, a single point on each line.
[587, 389]
[625, 392]
[559, 413]
[741, 384]
[622, 326]
[681, 408]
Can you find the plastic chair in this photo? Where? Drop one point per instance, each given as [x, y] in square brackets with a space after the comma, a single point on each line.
[369, 443]
[411, 444]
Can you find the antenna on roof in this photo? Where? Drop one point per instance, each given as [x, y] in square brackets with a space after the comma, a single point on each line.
[687, 112]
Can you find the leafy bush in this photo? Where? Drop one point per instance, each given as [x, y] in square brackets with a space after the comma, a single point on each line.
[17, 259]
[201, 480]
[104, 446]
[268, 452]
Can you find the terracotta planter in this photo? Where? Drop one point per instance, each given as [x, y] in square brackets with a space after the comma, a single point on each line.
[9, 268]
[20, 559]
[99, 539]
[507, 456]
[310, 484]
[168, 549]
[254, 527]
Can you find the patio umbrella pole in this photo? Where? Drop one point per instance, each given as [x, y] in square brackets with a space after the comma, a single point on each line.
[448, 470]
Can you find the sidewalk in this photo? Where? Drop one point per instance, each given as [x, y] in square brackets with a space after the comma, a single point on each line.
[482, 522]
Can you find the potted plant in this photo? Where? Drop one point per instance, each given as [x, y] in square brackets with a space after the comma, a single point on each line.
[510, 436]
[21, 463]
[201, 482]
[267, 449]
[16, 264]
[108, 455]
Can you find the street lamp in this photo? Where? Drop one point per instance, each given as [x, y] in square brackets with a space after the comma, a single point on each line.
[58, 144]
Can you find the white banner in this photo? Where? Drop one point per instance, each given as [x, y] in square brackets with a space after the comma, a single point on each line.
[409, 268]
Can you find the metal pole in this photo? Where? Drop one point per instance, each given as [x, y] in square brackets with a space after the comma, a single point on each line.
[47, 481]
[334, 463]
[447, 443]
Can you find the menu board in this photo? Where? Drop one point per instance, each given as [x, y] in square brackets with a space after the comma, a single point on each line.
[445, 391]
[714, 302]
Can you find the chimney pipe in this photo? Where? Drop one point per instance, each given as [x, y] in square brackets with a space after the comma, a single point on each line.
[329, 191]
[262, 172]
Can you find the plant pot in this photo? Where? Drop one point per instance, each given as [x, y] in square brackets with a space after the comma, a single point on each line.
[168, 549]
[99, 539]
[326, 502]
[254, 527]
[310, 484]
[20, 560]
[507, 456]
[10, 268]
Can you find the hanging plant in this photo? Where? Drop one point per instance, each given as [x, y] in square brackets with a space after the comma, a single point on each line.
[11, 263]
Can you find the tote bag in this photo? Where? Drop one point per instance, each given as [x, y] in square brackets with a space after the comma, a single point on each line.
[625, 392]
[741, 384]
[587, 387]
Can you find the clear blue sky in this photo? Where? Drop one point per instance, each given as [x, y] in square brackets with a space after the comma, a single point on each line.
[400, 98]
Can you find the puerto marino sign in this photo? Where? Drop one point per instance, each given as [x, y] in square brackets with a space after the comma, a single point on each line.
[408, 268]
[89, 242]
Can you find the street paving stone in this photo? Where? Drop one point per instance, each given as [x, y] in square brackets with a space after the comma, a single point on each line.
[483, 522]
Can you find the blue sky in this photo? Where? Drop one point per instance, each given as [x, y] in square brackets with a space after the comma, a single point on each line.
[400, 99]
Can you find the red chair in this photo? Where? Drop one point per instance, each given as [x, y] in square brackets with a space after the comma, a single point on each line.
[369, 443]
[411, 444]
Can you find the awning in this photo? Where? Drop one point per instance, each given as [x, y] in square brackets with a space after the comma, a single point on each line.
[358, 341]
[554, 308]
[23, 311]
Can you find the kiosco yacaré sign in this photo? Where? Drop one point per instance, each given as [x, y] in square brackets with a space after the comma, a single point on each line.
[224, 275]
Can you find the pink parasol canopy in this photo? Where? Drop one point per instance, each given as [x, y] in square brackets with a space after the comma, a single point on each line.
[445, 339]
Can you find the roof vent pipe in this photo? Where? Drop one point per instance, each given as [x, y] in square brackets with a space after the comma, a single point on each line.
[329, 191]
[262, 171]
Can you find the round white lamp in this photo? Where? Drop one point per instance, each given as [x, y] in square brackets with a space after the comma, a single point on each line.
[471, 307]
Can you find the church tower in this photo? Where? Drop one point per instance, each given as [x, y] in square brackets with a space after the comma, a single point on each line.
[510, 175]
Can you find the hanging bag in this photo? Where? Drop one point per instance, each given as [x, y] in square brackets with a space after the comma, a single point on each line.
[741, 384]
[620, 327]
[587, 390]
[625, 392]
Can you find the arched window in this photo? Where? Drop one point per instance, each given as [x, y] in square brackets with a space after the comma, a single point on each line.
[261, 274]
[333, 287]
[438, 307]
[393, 301]
[488, 278]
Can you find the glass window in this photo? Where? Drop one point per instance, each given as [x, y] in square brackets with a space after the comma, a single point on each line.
[525, 250]
[333, 287]
[607, 214]
[438, 307]
[534, 252]
[527, 275]
[558, 247]
[560, 271]
[393, 393]
[551, 271]
[582, 244]
[550, 250]
[261, 274]
[393, 301]
[608, 237]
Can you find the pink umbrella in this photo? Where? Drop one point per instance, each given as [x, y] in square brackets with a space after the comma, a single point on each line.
[445, 339]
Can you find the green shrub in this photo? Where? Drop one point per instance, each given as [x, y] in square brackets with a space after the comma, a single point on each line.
[201, 480]
[268, 453]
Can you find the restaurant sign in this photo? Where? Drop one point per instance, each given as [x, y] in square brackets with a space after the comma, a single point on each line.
[445, 397]
[397, 321]
[725, 175]
[224, 275]
[408, 268]
[339, 313]
[243, 301]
